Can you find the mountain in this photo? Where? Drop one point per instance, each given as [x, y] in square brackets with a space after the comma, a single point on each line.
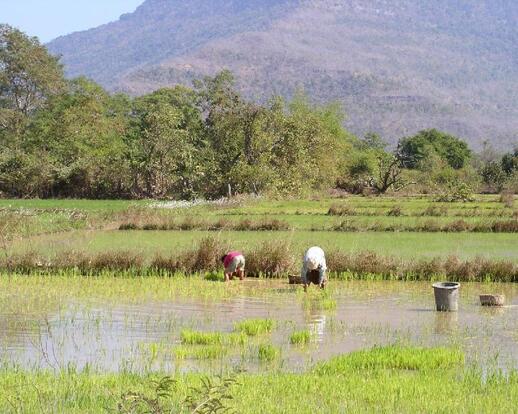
[397, 65]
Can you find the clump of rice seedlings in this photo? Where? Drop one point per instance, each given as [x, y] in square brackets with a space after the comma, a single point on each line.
[268, 352]
[393, 357]
[200, 352]
[319, 301]
[254, 327]
[215, 276]
[235, 338]
[300, 337]
[190, 337]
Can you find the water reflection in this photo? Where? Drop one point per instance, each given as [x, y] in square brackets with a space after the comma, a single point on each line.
[316, 321]
[446, 322]
[113, 337]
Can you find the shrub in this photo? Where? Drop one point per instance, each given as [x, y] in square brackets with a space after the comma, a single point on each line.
[116, 261]
[206, 257]
[507, 198]
[395, 211]
[435, 211]
[271, 259]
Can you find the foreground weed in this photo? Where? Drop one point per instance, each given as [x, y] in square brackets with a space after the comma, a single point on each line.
[210, 397]
[254, 327]
[137, 402]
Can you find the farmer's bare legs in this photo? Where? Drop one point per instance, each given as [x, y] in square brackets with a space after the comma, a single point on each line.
[240, 273]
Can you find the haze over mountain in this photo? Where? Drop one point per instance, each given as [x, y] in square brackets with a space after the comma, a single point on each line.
[397, 65]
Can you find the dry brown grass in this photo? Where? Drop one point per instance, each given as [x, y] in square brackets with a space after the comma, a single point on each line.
[272, 259]
[341, 210]
[193, 223]
[507, 198]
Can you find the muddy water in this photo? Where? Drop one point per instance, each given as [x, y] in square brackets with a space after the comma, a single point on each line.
[109, 337]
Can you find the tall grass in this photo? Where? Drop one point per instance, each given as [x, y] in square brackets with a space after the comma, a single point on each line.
[390, 380]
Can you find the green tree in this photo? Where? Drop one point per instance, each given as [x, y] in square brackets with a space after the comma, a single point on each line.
[493, 176]
[510, 162]
[80, 136]
[29, 75]
[415, 150]
[167, 147]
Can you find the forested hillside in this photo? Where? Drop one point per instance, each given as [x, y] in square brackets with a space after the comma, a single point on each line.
[397, 66]
[71, 138]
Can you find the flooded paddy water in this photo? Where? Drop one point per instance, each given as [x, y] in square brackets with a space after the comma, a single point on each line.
[89, 332]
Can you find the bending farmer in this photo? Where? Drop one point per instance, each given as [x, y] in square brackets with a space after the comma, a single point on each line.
[314, 268]
[234, 263]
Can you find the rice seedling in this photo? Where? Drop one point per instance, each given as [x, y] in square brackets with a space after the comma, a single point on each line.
[267, 352]
[254, 327]
[394, 357]
[190, 337]
[319, 301]
[200, 352]
[300, 337]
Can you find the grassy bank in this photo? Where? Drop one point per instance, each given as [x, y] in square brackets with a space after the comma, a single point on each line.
[394, 379]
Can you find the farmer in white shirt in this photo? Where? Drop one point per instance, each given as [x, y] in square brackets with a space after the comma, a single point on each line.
[314, 268]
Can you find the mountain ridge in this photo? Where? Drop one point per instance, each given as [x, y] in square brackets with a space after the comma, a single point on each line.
[396, 66]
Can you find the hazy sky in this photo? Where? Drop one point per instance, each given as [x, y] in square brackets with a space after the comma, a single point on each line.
[49, 19]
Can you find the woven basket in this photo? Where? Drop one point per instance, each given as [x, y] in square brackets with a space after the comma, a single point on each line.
[492, 300]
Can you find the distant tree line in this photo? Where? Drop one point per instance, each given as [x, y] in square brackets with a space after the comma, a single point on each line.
[70, 138]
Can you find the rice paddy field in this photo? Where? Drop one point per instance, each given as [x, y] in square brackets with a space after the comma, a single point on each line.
[118, 306]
